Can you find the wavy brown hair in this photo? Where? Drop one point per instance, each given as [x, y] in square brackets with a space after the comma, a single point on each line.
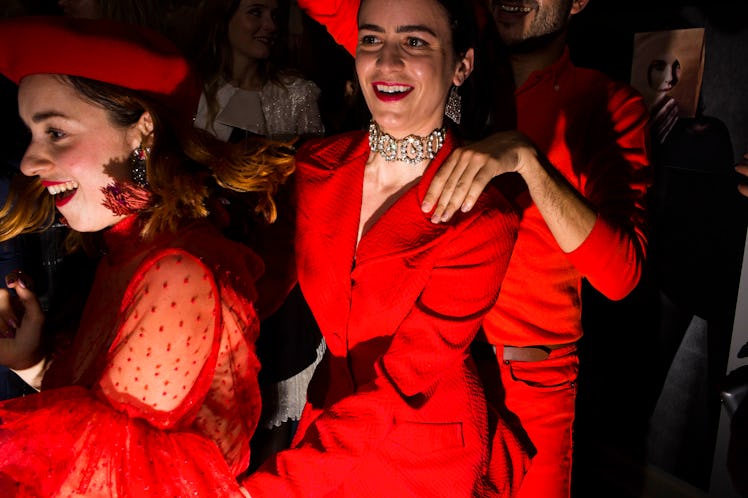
[185, 168]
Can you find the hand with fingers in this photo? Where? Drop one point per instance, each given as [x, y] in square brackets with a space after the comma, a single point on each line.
[742, 169]
[466, 172]
[21, 323]
[664, 114]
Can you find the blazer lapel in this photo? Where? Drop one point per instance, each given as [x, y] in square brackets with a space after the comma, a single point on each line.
[330, 188]
[404, 230]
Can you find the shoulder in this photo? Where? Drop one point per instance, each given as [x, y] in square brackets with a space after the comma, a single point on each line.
[624, 106]
[616, 94]
[332, 152]
[173, 263]
[170, 274]
[297, 82]
[494, 218]
[293, 84]
[229, 263]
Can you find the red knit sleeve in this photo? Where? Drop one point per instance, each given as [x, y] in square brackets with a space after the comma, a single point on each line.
[612, 256]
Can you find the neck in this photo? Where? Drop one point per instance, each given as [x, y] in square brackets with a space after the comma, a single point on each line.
[534, 56]
[245, 73]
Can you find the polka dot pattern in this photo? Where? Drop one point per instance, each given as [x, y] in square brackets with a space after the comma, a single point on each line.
[158, 394]
[152, 338]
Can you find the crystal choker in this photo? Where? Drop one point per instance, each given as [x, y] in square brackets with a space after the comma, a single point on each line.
[411, 149]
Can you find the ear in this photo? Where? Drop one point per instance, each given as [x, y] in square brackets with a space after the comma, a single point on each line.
[578, 5]
[141, 133]
[464, 67]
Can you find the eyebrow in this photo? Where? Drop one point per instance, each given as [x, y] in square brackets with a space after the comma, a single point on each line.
[408, 28]
[41, 116]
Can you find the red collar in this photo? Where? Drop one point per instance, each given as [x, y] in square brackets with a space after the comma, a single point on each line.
[552, 73]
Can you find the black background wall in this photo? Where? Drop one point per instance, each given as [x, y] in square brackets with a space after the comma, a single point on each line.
[689, 289]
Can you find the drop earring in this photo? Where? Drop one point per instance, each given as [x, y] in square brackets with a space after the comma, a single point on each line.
[138, 162]
[454, 106]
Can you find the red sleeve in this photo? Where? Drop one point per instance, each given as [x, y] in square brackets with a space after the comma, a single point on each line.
[161, 362]
[339, 17]
[612, 256]
[134, 434]
[432, 340]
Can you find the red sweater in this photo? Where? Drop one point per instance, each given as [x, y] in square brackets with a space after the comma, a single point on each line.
[593, 130]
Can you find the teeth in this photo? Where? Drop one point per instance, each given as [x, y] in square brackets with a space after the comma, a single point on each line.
[62, 187]
[514, 8]
[392, 88]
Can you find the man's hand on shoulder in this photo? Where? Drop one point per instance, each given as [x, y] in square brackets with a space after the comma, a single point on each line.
[466, 172]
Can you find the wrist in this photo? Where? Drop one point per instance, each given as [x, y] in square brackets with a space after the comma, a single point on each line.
[528, 162]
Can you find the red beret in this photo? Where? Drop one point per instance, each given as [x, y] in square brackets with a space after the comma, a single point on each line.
[103, 50]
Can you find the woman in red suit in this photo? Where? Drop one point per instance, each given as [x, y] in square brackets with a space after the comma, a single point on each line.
[157, 394]
[395, 409]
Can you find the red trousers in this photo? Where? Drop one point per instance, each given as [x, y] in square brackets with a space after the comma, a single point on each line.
[541, 395]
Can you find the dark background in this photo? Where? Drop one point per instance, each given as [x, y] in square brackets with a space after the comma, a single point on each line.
[636, 410]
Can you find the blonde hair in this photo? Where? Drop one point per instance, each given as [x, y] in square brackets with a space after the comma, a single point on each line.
[27, 208]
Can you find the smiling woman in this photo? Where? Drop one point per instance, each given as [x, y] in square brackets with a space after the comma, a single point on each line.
[74, 150]
[158, 394]
[396, 408]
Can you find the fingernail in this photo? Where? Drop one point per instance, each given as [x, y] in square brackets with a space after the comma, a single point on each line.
[15, 276]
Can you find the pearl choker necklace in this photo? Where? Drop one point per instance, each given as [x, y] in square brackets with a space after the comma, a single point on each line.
[411, 149]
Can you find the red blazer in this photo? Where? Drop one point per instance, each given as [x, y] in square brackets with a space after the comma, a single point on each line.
[395, 409]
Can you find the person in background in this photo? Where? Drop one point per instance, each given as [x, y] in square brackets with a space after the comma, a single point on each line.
[662, 76]
[580, 159]
[247, 94]
[582, 151]
[157, 395]
[396, 407]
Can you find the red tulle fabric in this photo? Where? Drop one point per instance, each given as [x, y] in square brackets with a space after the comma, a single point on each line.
[158, 394]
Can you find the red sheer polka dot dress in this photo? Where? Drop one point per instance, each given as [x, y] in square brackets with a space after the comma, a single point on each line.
[157, 395]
